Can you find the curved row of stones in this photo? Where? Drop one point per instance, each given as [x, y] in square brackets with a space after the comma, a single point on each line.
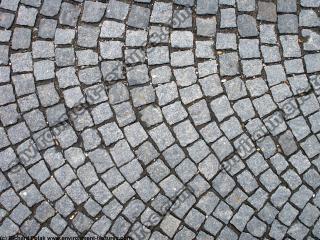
[159, 119]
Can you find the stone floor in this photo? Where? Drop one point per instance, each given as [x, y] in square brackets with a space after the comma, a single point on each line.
[183, 119]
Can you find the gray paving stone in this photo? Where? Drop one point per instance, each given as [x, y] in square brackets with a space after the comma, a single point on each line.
[194, 219]
[223, 212]
[110, 133]
[81, 222]
[249, 48]
[142, 95]
[92, 207]
[9, 228]
[158, 170]
[251, 68]
[161, 13]
[64, 36]
[121, 153]
[228, 18]
[247, 26]
[229, 64]
[174, 112]
[204, 49]
[26, 16]
[226, 41]
[268, 34]
[47, 28]
[135, 134]
[270, 54]
[204, 7]
[256, 227]
[270, 180]
[221, 107]
[112, 177]
[184, 2]
[288, 23]
[158, 34]
[136, 38]
[69, 14]
[73, 97]
[8, 95]
[18, 133]
[76, 192]
[9, 199]
[100, 193]
[48, 94]
[51, 189]
[211, 85]
[241, 218]
[268, 213]
[146, 189]
[58, 224]
[311, 146]
[179, 59]
[231, 128]
[4, 74]
[112, 209]
[290, 46]
[262, 102]
[246, 5]
[6, 19]
[311, 61]
[280, 196]
[287, 6]
[202, 26]
[181, 39]
[64, 56]
[139, 17]
[244, 109]
[294, 66]
[166, 93]
[162, 136]
[93, 11]
[64, 175]
[20, 213]
[235, 88]
[124, 113]
[111, 49]
[137, 75]
[21, 38]
[312, 42]
[50, 8]
[247, 181]
[212, 225]
[151, 115]
[158, 55]
[112, 29]
[190, 94]
[199, 112]
[223, 184]
[87, 36]
[184, 175]
[124, 192]
[169, 225]
[267, 11]
[30, 227]
[117, 10]
[21, 62]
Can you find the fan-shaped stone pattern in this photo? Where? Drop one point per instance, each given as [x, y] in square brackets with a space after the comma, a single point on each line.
[184, 119]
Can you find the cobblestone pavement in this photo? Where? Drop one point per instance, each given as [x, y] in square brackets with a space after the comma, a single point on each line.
[184, 119]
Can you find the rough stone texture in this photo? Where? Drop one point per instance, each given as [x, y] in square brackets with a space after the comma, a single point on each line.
[157, 119]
